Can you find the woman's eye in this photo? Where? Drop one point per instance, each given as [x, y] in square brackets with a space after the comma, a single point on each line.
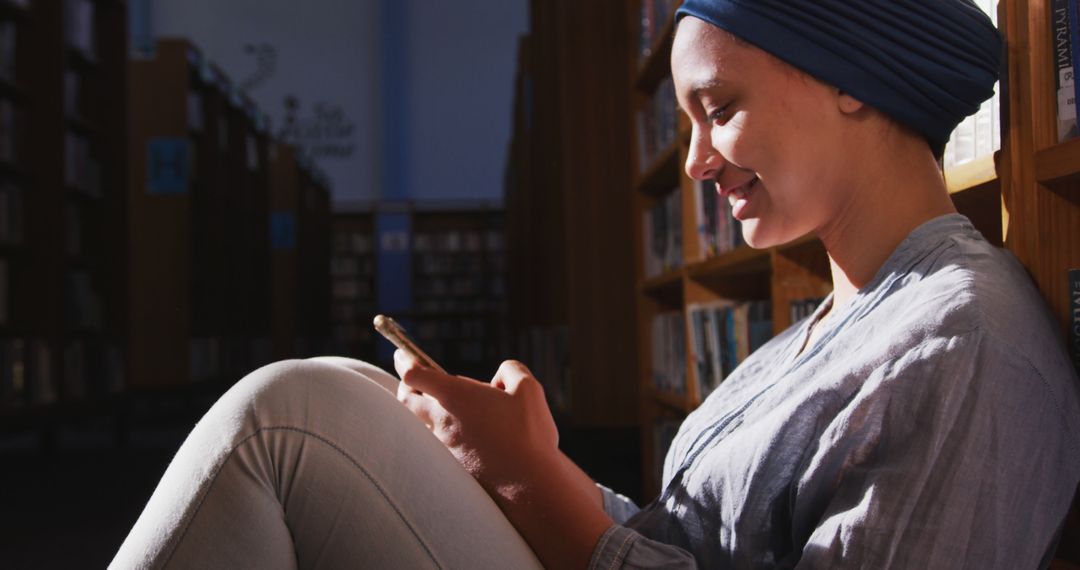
[719, 115]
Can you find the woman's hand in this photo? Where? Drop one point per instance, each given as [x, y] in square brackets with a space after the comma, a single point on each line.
[504, 435]
[501, 431]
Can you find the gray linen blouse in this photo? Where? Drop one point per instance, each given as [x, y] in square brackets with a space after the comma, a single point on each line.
[934, 423]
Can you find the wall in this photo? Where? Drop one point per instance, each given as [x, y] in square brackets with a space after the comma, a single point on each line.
[455, 71]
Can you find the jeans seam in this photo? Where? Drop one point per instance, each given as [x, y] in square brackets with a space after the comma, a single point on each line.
[333, 446]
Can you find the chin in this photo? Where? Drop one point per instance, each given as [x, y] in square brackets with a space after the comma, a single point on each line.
[758, 236]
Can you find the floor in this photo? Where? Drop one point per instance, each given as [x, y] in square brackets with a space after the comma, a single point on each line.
[72, 506]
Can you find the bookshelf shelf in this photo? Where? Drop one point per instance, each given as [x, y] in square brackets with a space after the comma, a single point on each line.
[1058, 166]
[740, 261]
[663, 285]
[657, 178]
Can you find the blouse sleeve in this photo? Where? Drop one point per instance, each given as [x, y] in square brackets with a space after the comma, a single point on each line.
[623, 548]
[942, 460]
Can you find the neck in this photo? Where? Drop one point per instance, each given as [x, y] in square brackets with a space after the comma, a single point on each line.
[891, 198]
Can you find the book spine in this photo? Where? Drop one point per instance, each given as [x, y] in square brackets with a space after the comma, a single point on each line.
[1063, 62]
[1073, 9]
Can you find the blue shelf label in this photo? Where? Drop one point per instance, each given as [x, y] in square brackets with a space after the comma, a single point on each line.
[167, 166]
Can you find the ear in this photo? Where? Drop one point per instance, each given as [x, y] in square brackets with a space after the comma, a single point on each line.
[847, 104]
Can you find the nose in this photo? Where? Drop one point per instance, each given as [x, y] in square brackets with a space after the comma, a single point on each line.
[703, 161]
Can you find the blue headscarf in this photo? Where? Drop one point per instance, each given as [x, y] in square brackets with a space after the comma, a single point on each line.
[927, 64]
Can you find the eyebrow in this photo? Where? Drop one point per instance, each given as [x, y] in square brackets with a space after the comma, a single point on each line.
[698, 87]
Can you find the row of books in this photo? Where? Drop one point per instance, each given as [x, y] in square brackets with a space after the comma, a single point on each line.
[458, 241]
[8, 44]
[80, 30]
[462, 285]
[657, 124]
[717, 230]
[351, 289]
[655, 15]
[668, 370]
[82, 171]
[434, 329]
[355, 243]
[11, 213]
[802, 308]
[350, 266]
[662, 232]
[29, 375]
[92, 367]
[210, 357]
[445, 305]
[11, 131]
[450, 264]
[82, 302]
[1065, 35]
[723, 334]
[546, 351]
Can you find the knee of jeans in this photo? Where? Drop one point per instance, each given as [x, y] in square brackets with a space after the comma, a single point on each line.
[270, 391]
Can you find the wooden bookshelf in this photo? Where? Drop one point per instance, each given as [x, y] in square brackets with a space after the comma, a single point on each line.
[212, 297]
[459, 286]
[1025, 196]
[571, 276]
[61, 183]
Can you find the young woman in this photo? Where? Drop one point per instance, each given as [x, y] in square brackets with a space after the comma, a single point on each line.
[925, 417]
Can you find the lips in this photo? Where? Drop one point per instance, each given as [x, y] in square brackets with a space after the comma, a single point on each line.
[739, 191]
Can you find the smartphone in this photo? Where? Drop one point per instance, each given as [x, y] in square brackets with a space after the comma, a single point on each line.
[394, 333]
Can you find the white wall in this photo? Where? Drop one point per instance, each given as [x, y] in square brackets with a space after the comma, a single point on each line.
[327, 51]
[460, 57]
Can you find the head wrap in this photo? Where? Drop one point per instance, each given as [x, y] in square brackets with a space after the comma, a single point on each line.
[927, 64]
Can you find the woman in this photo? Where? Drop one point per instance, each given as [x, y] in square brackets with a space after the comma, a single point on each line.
[925, 416]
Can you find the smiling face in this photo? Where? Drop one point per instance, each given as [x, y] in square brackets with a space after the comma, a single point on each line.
[775, 141]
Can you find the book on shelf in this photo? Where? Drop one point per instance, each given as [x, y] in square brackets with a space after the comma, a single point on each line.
[79, 30]
[1064, 84]
[1074, 316]
[978, 135]
[8, 44]
[803, 308]
[717, 229]
[662, 232]
[723, 334]
[657, 124]
[669, 353]
[204, 358]
[654, 16]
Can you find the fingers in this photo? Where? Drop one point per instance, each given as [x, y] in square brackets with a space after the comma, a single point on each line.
[427, 409]
[442, 387]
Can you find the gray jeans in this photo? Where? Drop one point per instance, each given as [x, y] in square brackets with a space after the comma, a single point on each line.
[314, 463]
